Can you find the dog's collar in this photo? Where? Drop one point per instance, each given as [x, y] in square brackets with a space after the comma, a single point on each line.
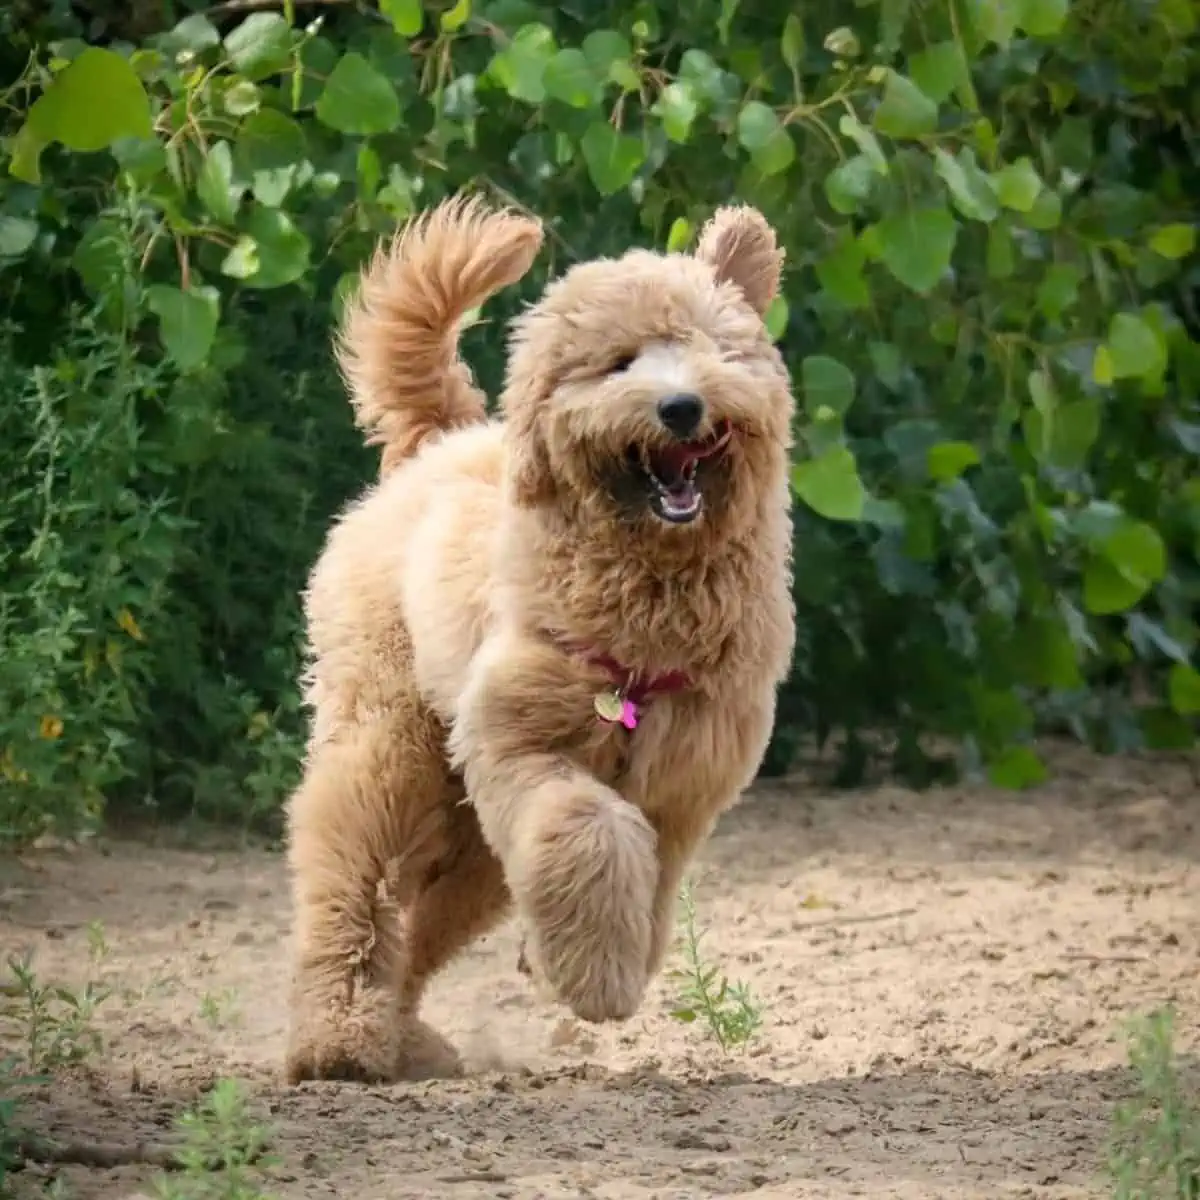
[629, 691]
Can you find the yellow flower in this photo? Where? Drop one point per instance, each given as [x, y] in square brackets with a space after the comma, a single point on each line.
[50, 727]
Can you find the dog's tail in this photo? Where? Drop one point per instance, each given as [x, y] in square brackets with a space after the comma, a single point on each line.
[398, 344]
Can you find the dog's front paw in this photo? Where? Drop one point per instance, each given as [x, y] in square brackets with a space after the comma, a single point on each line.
[586, 885]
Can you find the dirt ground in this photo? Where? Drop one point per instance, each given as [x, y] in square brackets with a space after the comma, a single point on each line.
[945, 976]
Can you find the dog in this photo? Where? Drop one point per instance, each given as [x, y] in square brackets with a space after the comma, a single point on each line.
[543, 649]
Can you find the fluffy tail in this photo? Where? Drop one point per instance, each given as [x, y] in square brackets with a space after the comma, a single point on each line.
[398, 345]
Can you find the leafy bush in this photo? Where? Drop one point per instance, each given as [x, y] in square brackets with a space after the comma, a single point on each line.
[990, 214]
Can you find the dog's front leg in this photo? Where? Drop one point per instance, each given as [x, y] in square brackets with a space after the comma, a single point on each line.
[580, 860]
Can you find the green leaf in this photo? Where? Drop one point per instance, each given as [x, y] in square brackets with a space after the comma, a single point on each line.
[99, 256]
[969, 188]
[193, 35]
[68, 111]
[612, 158]
[830, 485]
[757, 125]
[1076, 430]
[357, 99]
[1046, 213]
[1183, 688]
[1001, 256]
[455, 18]
[843, 42]
[916, 245]
[679, 235]
[776, 318]
[677, 107]
[187, 321]
[1127, 561]
[242, 260]
[261, 45]
[888, 364]
[1059, 290]
[1045, 655]
[948, 460]
[848, 185]
[1062, 435]
[905, 111]
[242, 98]
[828, 384]
[1135, 349]
[569, 77]
[1042, 18]
[1106, 590]
[1018, 185]
[282, 250]
[215, 187]
[850, 126]
[1016, 768]
[17, 234]
[406, 16]
[840, 272]
[791, 44]
[1173, 241]
[777, 155]
[269, 141]
[1041, 391]
[938, 70]
[609, 53]
[521, 66]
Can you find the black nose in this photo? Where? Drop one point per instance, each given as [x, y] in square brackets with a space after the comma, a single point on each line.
[681, 413]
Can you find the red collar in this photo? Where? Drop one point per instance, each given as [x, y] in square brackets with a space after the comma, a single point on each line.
[635, 686]
[638, 687]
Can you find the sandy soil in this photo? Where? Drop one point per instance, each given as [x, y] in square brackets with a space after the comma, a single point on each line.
[946, 978]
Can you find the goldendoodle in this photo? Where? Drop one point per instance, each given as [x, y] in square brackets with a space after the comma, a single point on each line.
[544, 649]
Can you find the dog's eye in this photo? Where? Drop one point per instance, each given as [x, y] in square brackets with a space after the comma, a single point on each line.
[623, 363]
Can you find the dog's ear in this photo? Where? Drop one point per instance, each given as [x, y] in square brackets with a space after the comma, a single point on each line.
[528, 459]
[529, 464]
[741, 248]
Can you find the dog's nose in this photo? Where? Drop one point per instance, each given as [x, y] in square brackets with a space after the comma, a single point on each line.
[681, 413]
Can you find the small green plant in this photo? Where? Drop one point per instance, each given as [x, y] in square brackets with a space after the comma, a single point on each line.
[219, 1008]
[224, 1150]
[730, 1010]
[57, 1022]
[14, 1080]
[1156, 1147]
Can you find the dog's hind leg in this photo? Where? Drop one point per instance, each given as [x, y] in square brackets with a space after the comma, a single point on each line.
[366, 827]
[465, 897]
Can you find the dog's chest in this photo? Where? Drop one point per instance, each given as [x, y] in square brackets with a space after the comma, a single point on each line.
[678, 756]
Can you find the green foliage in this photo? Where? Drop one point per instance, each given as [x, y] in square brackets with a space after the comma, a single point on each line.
[54, 1024]
[15, 1082]
[989, 212]
[1156, 1146]
[224, 1152]
[729, 1011]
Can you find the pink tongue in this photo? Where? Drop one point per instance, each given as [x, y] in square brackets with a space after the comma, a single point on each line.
[676, 459]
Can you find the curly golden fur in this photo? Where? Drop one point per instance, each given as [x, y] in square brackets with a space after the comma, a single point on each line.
[627, 520]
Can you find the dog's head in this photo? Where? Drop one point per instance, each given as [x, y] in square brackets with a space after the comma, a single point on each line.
[646, 389]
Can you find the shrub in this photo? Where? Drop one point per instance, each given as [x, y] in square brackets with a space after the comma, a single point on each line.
[989, 211]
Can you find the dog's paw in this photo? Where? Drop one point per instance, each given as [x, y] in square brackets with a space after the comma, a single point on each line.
[587, 881]
[340, 1047]
[422, 1053]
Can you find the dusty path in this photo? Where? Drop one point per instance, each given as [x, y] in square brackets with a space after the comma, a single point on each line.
[945, 976]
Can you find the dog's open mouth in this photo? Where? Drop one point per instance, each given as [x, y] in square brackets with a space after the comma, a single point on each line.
[671, 472]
